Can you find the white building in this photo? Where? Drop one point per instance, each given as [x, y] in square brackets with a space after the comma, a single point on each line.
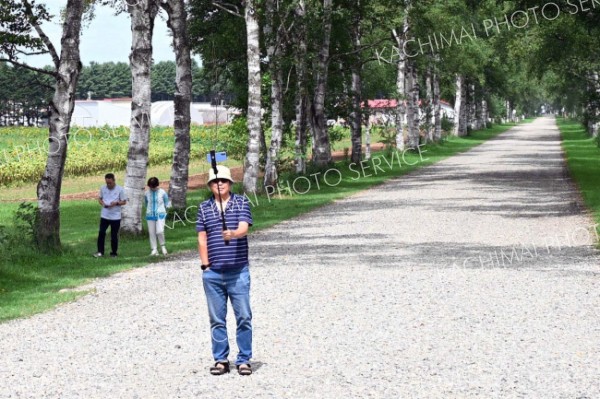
[117, 112]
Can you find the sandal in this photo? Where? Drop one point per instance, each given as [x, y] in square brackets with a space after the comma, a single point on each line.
[244, 369]
[216, 370]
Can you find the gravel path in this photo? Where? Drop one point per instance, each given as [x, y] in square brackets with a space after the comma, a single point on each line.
[474, 277]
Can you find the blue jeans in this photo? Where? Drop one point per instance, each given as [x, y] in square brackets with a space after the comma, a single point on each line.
[235, 285]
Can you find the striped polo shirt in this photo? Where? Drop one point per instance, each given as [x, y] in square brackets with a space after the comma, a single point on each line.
[221, 256]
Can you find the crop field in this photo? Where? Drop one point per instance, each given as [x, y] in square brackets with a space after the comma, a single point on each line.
[24, 150]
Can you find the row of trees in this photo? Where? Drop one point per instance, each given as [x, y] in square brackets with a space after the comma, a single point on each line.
[326, 57]
[565, 54]
[303, 61]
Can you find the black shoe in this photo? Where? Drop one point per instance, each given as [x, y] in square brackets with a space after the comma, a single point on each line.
[216, 370]
[244, 369]
[113, 255]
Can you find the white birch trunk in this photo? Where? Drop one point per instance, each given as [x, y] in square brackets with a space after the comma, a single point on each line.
[472, 108]
[484, 114]
[400, 38]
[459, 105]
[68, 68]
[274, 39]
[464, 113]
[356, 90]
[412, 93]
[301, 91]
[429, 113]
[480, 113]
[322, 148]
[142, 16]
[592, 107]
[251, 162]
[437, 107]
[177, 22]
[271, 168]
[368, 138]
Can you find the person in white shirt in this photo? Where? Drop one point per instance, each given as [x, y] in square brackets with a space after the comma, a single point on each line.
[111, 198]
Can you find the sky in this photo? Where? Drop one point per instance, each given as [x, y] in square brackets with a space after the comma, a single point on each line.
[106, 38]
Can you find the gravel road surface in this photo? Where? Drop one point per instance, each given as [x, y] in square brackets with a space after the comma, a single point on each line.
[474, 277]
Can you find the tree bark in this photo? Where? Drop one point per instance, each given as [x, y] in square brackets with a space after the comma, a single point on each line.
[480, 111]
[177, 22]
[437, 107]
[412, 92]
[459, 107]
[61, 109]
[322, 149]
[368, 137]
[356, 116]
[251, 162]
[484, 114]
[592, 104]
[472, 108]
[142, 16]
[274, 53]
[400, 38]
[429, 113]
[301, 102]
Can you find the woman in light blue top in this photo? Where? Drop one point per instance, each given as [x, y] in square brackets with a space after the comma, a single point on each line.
[157, 202]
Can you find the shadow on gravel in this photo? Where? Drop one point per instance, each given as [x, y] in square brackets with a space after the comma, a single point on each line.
[378, 251]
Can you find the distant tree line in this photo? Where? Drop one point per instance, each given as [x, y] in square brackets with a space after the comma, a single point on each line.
[24, 92]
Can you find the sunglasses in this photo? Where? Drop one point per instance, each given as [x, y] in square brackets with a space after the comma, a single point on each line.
[220, 181]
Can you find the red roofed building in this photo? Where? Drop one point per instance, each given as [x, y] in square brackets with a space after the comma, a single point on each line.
[383, 110]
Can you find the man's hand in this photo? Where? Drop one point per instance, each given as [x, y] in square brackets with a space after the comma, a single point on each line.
[240, 232]
[228, 235]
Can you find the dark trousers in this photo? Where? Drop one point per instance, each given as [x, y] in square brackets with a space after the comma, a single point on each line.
[114, 234]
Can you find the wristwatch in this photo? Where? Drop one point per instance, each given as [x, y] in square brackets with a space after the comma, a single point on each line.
[204, 267]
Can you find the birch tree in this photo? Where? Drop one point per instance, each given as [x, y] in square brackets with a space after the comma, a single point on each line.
[301, 98]
[177, 23]
[274, 37]
[428, 108]
[251, 162]
[460, 128]
[24, 18]
[318, 123]
[412, 114]
[400, 38]
[356, 115]
[437, 108]
[142, 14]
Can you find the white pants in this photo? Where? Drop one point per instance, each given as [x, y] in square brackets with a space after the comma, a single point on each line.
[156, 228]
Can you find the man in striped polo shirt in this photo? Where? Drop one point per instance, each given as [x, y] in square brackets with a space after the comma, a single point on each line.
[224, 257]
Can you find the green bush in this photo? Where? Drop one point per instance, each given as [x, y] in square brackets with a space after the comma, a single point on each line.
[388, 136]
[447, 125]
[22, 232]
[235, 138]
[337, 134]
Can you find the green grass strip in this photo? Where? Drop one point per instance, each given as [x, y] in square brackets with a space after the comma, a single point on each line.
[31, 283]
[583, 160]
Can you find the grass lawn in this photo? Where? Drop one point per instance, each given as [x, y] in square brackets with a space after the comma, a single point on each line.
[31, 283]
[583, 158]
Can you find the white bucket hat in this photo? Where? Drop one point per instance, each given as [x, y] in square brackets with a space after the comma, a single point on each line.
[224, 173]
